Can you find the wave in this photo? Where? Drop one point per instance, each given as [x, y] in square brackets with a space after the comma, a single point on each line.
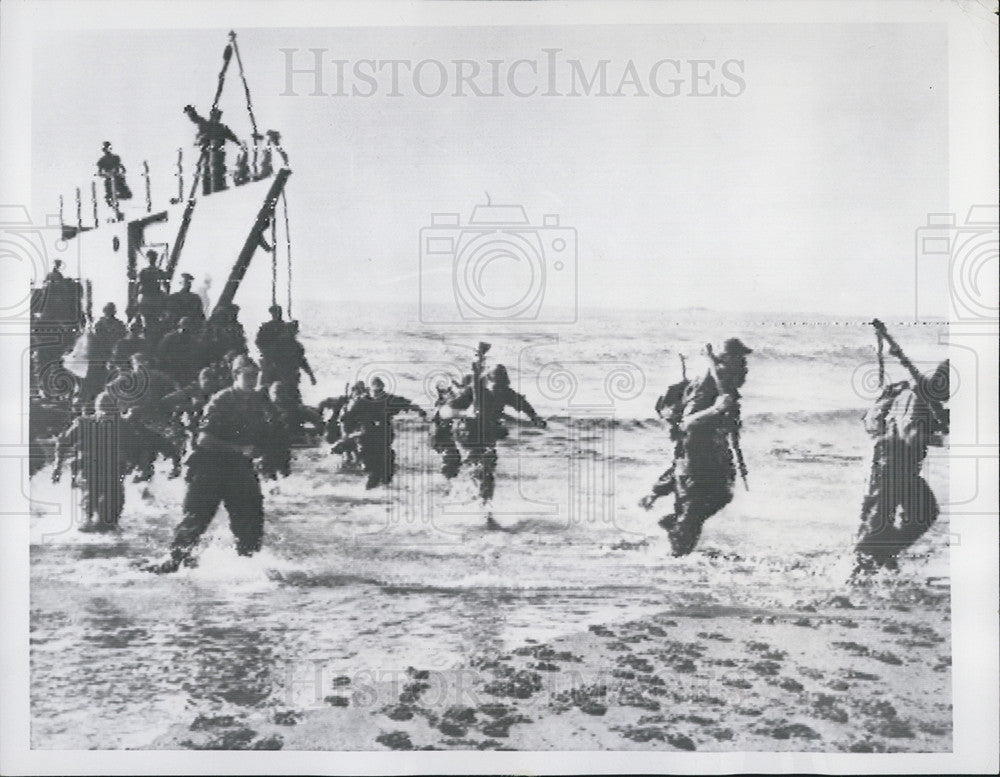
[583, 422]
[840, 415]
[844, 353]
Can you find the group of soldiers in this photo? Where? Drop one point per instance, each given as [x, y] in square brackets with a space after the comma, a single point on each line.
[196, 388]
[149, 390]
[703, 417]
[466, 423]
[211, 140]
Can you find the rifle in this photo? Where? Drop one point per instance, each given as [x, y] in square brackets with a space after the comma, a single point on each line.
[664, 400]
[918, 379]
[477, 372]
[734, 434]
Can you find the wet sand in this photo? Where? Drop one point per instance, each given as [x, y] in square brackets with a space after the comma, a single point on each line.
[393, 618]
[828, 676]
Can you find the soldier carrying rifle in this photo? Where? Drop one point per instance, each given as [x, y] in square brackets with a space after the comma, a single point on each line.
[907, 418]
[704, 425]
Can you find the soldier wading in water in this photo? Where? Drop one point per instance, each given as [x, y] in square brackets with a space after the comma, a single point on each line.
[906, 418]
[704, 422]
[238, 425]
[483, 396]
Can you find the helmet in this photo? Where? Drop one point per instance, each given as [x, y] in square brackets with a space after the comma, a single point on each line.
[500, 376]
[735, 346]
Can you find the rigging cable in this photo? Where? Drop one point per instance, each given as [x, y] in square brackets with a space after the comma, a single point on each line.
[288, 251]
[881, 359]
[246, 91]
[274, 261]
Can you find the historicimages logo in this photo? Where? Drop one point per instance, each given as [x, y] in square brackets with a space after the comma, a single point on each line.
[497, 267]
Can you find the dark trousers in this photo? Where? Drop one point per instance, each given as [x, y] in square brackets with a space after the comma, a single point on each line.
[377, 456]
[443, 442]
[483, 460]
[214, 177]
[894, 485]
[480, 454]
[703, 487]
[228, 479]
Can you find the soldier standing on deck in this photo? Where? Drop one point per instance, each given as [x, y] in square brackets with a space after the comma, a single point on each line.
[151, 281]
[212, 137]
[184, 302]
[111, 169]
[704, 414]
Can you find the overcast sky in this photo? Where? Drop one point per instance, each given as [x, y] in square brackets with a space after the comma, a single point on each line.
[797, 191]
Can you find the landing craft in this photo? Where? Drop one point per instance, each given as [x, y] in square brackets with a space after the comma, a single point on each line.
[211, 228]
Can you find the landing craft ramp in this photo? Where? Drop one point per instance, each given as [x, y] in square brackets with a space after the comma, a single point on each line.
[216, 234]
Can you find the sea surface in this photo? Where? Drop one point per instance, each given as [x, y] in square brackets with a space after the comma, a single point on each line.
[354, 580]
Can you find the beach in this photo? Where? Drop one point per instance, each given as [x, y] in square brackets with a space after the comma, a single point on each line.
[394, 619]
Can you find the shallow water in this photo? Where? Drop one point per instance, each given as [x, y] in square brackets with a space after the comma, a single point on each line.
[409, 575]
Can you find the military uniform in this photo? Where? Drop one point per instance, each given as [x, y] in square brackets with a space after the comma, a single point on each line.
[336, 405]
[151, 281]
[703, 472]
[107, 332]
[903, 423]
[212, 137]
[234, 417]
[368, 421]
[477, 434]
[111, 169]
[121, 352]
[281, 355]
[185, 304]
[110, 330]
[142, 391]
[106, 449]
[505, 397]
[180, 355]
